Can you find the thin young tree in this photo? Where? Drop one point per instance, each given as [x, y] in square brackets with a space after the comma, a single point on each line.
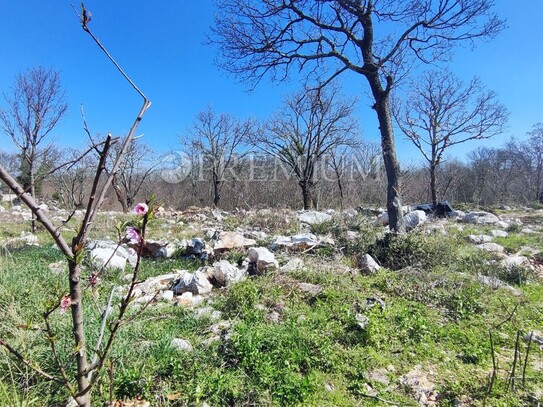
[311, 124]
[80, 379]
[34, 107]
[219, 139]
[357, 161]
[337, 160]
[440, 111]
[378, 39]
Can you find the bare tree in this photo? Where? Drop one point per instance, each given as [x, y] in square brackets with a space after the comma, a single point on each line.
[487, 165]
[9, 161]
[357, 160]
[34, 107]
[219, 139]
[311, 124]
[533, 153]
[378, 39]
[337, 160]
[137, 165]
[72, 181]
[440, 111]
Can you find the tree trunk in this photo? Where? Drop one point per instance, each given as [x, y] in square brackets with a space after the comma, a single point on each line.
[340, 187]
[216, 192]
[392, 166]
[119, 193]
[33, 193]
[129, 201]
[433, 185]
[32, 181]
[79, 334]
[306, 194]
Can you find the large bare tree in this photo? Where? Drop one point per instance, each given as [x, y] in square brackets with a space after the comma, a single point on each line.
[218, 139]
[440, 111]
[35, 105]
[378, 39]
[310, 125]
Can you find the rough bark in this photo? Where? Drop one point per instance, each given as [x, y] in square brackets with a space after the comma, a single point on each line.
[433, 187]
[216, 193]
[392, 165]
[306, 194]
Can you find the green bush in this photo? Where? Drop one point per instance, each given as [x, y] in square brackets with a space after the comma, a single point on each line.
[241, 300]
[397, 251]
[324, 228]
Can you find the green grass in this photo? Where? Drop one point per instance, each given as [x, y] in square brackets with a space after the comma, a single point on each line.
[436, 315]
[515, 241]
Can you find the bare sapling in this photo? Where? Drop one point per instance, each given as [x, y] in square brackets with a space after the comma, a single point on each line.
[88, 360]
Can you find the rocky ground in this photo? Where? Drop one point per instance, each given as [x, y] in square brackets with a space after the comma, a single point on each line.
[234, 246]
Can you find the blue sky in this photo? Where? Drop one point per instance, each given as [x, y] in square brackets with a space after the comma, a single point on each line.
[161, 47]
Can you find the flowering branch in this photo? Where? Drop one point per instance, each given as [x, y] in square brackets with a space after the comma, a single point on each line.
[74, 253]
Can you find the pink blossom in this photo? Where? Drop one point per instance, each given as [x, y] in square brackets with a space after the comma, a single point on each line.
[65, 302]
[141, 209]
[94, 279]
[133, 235]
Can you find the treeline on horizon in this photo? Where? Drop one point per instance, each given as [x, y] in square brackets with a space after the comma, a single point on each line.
[511, 174]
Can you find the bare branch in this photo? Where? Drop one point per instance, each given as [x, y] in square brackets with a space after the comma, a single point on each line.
[26, 362]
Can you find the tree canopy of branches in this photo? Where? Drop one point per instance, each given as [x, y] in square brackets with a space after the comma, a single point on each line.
[377, 39]
[34, 107]
[218, 139]
[311, 124]
[440, 112]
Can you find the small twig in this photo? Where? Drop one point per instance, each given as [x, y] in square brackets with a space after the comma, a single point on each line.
[509, 317]
[140, 311]
[105, 314]
[526, 359]
[494, 365]
[110, 258]
[69, 164]
[310, 248]
[97, 41]
[24, 361]
[111, 387]
[51, 339]
[511, 381]
[70, 216]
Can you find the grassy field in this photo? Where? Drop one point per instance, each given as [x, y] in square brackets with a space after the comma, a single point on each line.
[426, 340]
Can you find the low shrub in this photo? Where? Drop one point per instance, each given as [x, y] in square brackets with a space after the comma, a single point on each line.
[397, 251]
